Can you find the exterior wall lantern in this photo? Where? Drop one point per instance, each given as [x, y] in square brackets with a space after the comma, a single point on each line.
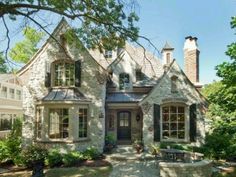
[138, 117]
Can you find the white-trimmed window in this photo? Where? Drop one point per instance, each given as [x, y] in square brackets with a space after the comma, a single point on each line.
[173, 122]
[64, 74]
[12, 93]
[39, 117]
[4, 92]
[124, 82]
[83, 121]
[18, 94]
[6, 121]
[59, 123]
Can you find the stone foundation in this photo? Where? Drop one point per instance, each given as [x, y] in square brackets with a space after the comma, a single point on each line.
[197, 169]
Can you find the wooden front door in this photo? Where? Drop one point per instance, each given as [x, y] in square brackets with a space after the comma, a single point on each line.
[124, 125]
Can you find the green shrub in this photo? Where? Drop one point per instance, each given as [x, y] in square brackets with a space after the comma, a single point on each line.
[10, 147]
[217, 145]
[110, 139]
[173, 145]
[33, 154]
[91, 153]
[72, 158]
[54, 158]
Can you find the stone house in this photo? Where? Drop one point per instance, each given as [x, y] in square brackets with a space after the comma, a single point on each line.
[10, 102]
[74, 97]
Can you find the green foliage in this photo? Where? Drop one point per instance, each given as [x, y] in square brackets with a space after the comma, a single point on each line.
[24, 50]
[33, 154]
[91, 153]
[54, 158]
[110, 139]
[10, 147]
[3, 66]
[72, 158]
[154, 149]
[102, 23]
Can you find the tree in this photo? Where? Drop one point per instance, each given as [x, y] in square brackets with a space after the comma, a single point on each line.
[3, 66]
[221, 141]
[24, 50]
[104, 24]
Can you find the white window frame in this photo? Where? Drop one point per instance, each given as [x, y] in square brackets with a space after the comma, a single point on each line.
[49, 125]
[186, 113]
[4, 94]
[62, 70]
[78, 130]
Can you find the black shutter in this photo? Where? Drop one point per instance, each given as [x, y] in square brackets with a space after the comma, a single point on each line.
[157, 115]
[193, 122]
[47, 81]
[78, 73]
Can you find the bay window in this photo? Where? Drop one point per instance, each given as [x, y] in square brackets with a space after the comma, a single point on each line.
[58, 123]
[83, 116]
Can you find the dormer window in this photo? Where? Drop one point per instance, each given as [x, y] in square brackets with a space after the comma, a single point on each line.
[124, 81]
[139, 75]
[64, 74]
[108, 54]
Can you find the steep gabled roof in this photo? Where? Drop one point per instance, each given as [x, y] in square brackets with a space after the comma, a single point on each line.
[169, 69]
[62, 23]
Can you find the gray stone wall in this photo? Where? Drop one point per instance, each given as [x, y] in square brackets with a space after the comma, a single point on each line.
[34, 90]
[197, 169]
[162, 95]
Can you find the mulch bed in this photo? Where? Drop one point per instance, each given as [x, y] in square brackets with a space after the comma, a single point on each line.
[10, 167]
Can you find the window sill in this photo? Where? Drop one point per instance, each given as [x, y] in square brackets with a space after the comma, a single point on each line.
[62, 141]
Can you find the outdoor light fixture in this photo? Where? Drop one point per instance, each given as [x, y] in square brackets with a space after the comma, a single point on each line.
[138, 117]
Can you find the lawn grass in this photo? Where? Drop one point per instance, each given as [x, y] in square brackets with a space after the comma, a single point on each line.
[68, 172]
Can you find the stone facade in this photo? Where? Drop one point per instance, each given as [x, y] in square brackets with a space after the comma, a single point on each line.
[33, 76]
[197, 169]
[185, 95]
[100, 93]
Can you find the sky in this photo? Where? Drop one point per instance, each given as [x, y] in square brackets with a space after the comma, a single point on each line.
[172, 21]
[208, 20]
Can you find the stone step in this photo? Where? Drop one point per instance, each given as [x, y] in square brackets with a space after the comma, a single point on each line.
[127, 153]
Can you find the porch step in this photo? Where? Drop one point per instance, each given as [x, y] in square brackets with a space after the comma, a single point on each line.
[128, 153]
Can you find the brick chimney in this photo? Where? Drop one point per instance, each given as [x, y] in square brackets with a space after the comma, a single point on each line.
[191, 60]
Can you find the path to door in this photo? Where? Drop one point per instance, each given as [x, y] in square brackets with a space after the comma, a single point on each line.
[134, 168]
[126, 163]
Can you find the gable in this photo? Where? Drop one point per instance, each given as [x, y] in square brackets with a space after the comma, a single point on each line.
[185, 91]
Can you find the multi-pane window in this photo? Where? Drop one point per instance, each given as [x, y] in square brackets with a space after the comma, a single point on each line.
[12, 93]
[6, 121]
[173, 122]
[83, 120]
[39, 117]
[64, 74]
[123, 119]
[18, 94]
[124, 81]
[4, 92]
[108, 54]
[58, 123]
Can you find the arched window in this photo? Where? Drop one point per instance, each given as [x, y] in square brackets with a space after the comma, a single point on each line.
[124, 81]
[173, 122]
